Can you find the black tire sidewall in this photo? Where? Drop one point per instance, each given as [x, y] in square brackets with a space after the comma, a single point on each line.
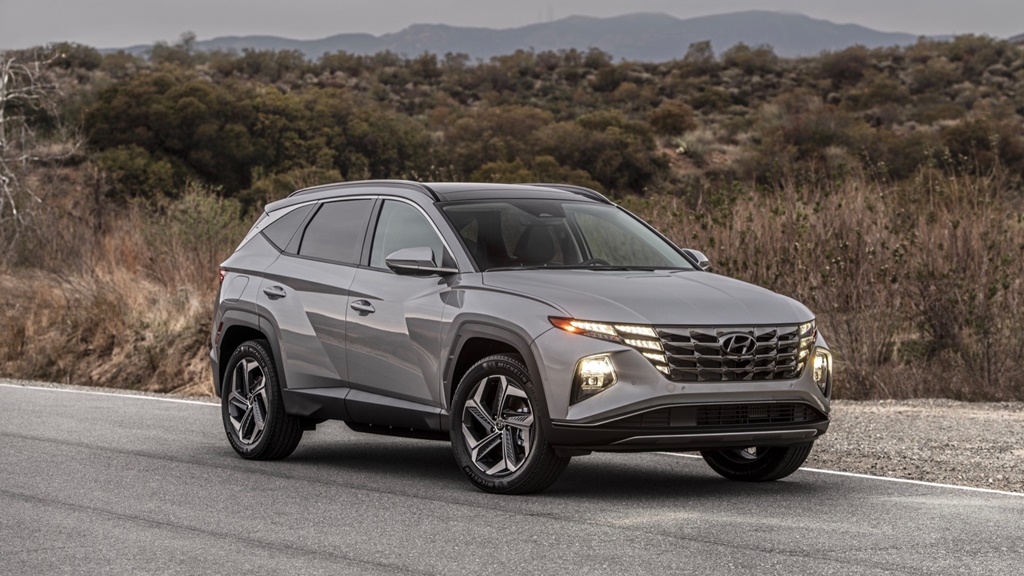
[514, 368]
[777, 462]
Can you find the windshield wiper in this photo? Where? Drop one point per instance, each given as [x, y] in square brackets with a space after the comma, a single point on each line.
[617, 268]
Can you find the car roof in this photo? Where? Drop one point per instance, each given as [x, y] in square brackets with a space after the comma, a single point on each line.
[444, 191]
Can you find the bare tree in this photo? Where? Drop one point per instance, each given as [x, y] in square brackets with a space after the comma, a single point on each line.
[28, 86]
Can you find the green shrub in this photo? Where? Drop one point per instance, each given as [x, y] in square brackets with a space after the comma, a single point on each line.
[700, 59]
[672, 118]
[979, 146]
[132, 172]
[760, 60]
[542, 169]
[846, 67]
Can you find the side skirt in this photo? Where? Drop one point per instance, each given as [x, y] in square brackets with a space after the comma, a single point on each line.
[401, 432]
[367, 412]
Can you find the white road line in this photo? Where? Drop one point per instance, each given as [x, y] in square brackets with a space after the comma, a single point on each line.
[886, 478]
[833, 472]
[119, 395]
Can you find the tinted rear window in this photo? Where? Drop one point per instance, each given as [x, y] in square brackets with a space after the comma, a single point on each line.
[336, 231]
[280, 231]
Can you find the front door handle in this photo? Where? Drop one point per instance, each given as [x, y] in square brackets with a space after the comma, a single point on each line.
[363, 306]
[274, 292]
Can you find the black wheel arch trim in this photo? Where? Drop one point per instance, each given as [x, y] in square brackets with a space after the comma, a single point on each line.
[252, 321]
[469, 328]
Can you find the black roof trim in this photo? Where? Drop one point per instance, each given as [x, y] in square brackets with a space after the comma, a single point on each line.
[419, 187]
[578, 190]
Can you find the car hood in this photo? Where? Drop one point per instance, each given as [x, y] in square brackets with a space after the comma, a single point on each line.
[659, 298]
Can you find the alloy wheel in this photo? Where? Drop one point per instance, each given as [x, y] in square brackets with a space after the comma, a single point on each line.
[247, 401]
[498, 426]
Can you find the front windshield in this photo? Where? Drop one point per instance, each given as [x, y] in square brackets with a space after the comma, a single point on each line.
[532, 233]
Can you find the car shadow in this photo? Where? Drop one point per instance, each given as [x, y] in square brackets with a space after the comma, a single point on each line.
[594, 478]
[423, 460]
[676, 477]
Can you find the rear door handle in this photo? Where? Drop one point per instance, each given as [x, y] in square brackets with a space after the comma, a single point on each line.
[274, 292]
[363, 306]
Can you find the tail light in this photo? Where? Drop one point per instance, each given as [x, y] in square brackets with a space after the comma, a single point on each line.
[222, 273]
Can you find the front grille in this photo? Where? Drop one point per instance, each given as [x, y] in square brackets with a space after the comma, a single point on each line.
[732, 415]
[697, 354]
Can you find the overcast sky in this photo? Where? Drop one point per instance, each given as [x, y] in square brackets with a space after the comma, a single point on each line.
[115, 23]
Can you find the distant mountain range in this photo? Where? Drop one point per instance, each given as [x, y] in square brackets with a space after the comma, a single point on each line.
[644, 37]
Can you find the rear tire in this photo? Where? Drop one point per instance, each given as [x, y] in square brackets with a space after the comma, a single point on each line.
[497, 431]
[758, 464]
[251, 406]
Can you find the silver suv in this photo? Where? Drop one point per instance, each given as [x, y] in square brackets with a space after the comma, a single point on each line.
[526, 324]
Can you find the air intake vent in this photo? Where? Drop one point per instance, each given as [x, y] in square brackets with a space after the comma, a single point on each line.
[754, 414]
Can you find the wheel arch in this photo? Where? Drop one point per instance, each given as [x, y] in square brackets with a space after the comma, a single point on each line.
[239, 328]
[474, 341]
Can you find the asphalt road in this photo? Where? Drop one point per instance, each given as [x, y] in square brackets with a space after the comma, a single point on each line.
[119, 484]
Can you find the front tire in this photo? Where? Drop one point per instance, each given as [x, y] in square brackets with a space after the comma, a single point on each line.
[758, 464]
[496, 430]
[251, 406]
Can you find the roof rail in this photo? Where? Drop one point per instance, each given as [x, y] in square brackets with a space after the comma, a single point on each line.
[578, 190]
[420, 187]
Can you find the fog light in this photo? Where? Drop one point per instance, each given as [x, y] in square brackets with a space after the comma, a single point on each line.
[822, 372]
[593, 374]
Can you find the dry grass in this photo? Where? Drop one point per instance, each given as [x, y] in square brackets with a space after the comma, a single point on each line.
[115, 329]
[119, 300]
[917, 286]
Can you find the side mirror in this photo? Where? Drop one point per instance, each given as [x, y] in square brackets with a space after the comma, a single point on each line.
[699, 258]
[416, 262]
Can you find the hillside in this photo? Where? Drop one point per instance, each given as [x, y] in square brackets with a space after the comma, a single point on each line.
[640, 37]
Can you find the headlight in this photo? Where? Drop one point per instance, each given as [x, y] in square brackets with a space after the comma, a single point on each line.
[593, 374]
[807, 333]
[822, 370]
[641, 338]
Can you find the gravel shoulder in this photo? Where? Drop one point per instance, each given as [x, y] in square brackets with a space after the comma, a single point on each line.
[961, 443]
[944, 441]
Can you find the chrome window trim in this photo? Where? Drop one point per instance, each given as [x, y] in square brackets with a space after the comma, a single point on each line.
[276, 214]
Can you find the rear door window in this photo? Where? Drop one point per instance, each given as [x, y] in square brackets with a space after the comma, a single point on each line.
[337, 231]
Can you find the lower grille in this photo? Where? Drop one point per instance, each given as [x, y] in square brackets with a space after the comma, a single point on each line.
[731, 415]
[753, 414]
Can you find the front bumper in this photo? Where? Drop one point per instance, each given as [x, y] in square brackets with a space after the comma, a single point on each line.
[646, 411]
[684, 435]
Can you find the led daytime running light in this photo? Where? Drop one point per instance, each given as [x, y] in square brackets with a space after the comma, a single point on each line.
[656, 357]
[636, 330]
[645, 344]
[806, 329]
[593, 327]
[616, 332]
